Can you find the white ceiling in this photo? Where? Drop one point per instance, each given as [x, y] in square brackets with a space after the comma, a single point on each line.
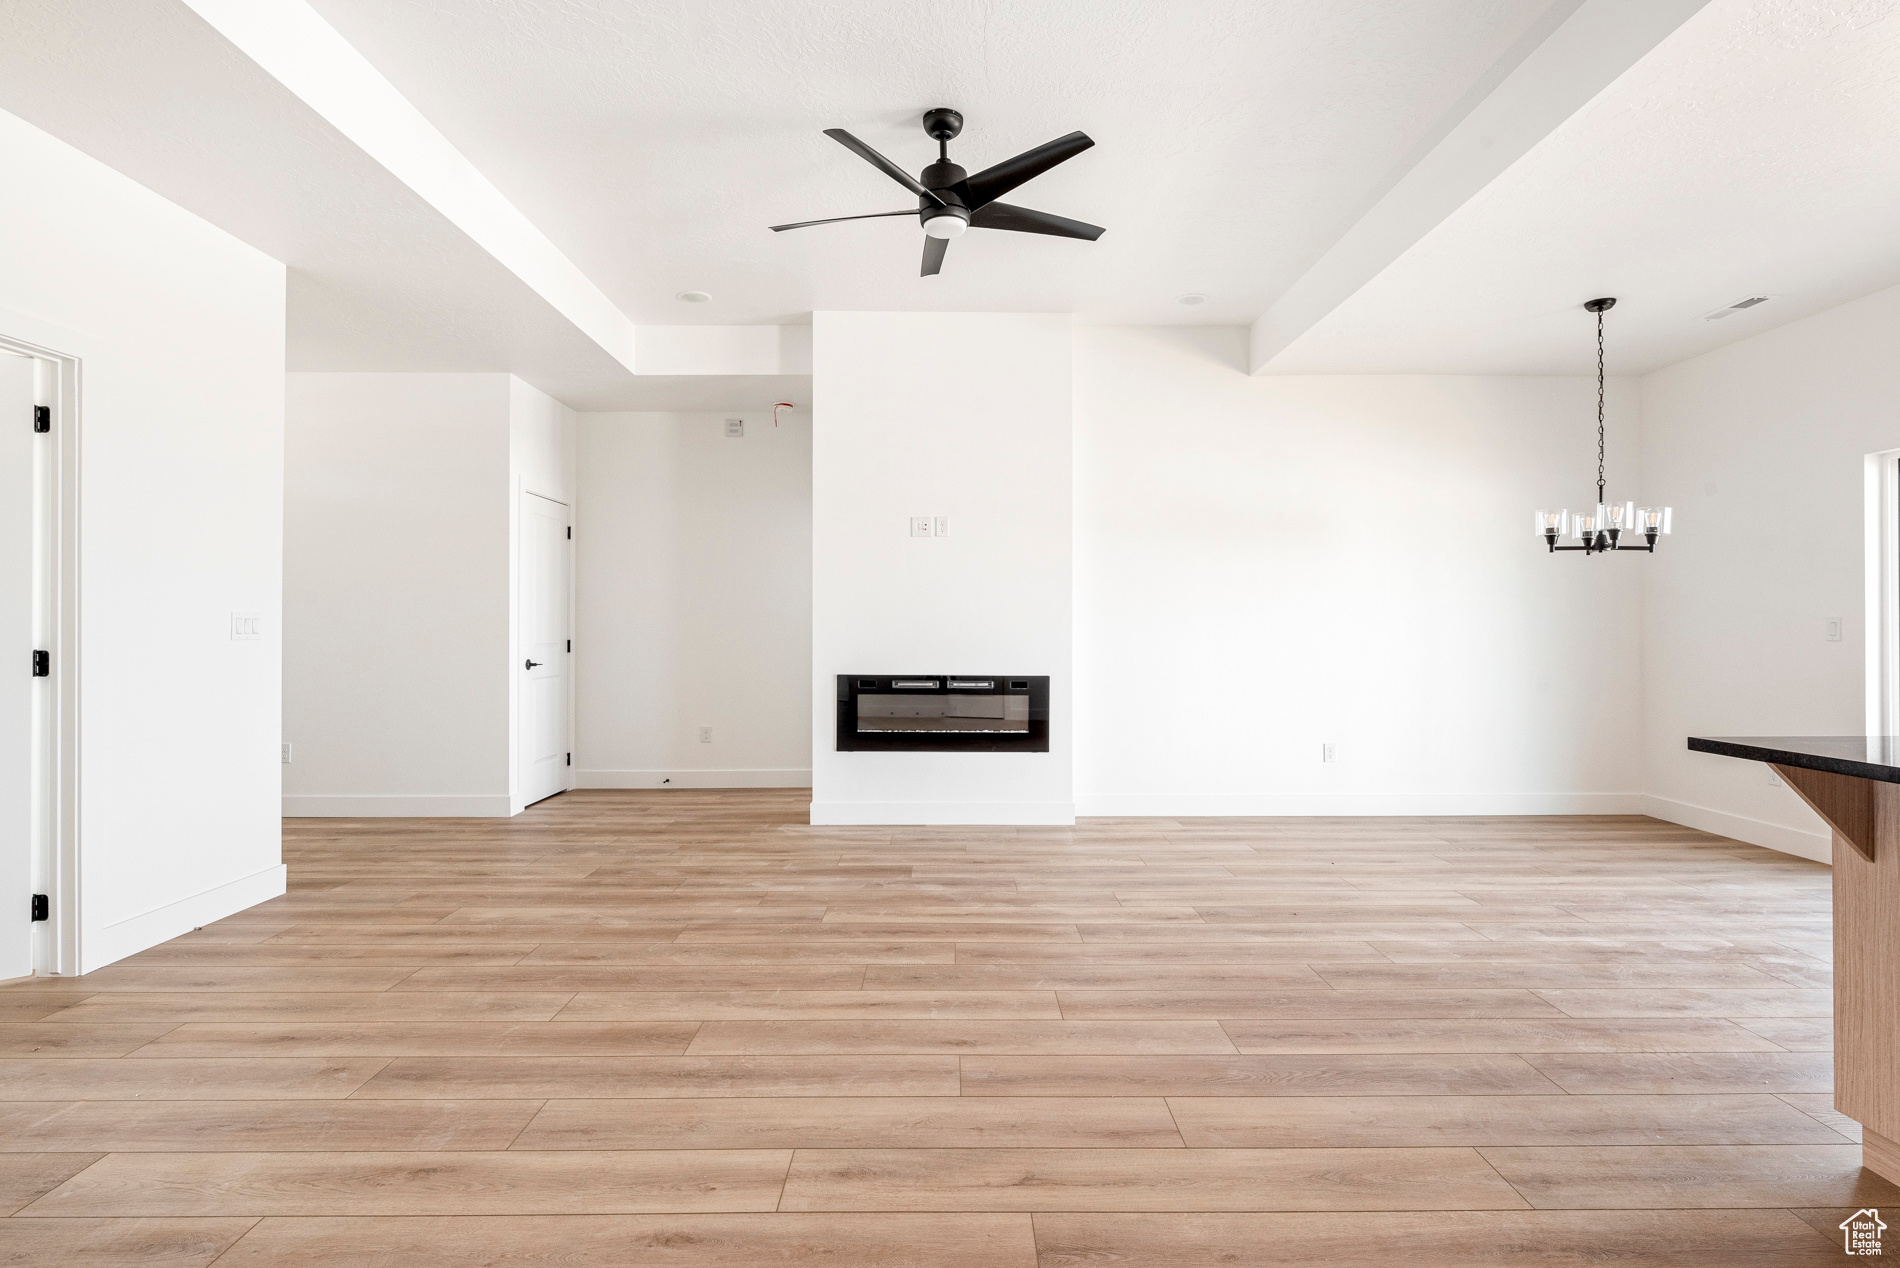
[655, 141]
[1751, 151]
[379, 279]
[1756, 151]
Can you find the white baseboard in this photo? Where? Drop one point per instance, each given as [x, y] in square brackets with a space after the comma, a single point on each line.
[904, 813]
[398, 806]
[1773, 836]
[1352, 805]
[98, 948]
[789, 777]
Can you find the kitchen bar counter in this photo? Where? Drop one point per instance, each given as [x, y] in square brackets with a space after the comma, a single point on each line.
[1853, 783]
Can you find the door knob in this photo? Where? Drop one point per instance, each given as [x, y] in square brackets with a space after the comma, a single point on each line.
[534, 664]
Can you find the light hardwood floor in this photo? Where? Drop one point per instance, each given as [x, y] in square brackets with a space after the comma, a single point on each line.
[685, 1029]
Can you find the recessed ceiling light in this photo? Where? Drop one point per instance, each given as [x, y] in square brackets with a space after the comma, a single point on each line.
[1191, 298]
[693, 297]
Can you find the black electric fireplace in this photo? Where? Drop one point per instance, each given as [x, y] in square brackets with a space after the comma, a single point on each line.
[937, 713]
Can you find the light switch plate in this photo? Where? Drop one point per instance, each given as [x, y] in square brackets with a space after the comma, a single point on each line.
[247, 625]
[735, 429]
[1834, 629]
[920, 526]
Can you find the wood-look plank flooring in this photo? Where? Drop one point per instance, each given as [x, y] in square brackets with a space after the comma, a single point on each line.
[686, 1029]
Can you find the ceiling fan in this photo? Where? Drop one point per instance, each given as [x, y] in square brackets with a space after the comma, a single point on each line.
[949, 200]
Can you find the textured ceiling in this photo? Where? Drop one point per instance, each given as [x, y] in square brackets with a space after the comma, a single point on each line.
[655, 141]
[1752, 153]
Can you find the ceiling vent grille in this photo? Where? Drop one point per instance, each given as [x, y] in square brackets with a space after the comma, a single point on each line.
[1740, 305]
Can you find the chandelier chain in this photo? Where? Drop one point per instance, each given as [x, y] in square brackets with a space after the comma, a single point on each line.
[1599, 407]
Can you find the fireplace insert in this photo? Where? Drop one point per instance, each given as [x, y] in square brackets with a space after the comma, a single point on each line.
[936, 713]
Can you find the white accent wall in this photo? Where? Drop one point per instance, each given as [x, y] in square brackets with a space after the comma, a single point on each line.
[693, 563]
[180, 332]
[968, 416]
[1268, 565]
[1760, 448]
[400, 523]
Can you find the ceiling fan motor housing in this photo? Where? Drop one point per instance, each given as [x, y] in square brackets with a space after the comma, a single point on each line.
[943, 178]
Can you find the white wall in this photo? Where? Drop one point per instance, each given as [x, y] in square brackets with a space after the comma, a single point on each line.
[396, 629]
[1759, 447]
[693, 594]
[181, 332]
[1266, 565]
[399, 655]
[965, 415]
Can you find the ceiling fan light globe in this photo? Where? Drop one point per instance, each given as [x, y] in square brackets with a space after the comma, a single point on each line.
[945, 226]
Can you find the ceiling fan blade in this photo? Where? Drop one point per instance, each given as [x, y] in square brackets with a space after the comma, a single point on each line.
[993, 182]
[1027, 220]
[883, 164]
[835, 219]
[933, 255]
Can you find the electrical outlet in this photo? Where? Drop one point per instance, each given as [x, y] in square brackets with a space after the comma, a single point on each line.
[1325, 752]
[286, 754]
[247, 625]
[920, 526]
[943, 526]
[1834, 629]
[735, 429]
[1772, 777]
[705, 735]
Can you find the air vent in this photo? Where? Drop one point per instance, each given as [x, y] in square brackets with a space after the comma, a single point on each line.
[1740, 305]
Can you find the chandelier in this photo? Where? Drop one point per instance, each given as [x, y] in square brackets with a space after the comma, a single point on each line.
[1604, 528]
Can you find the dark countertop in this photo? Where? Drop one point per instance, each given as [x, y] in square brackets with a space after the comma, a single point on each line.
[1862, 756]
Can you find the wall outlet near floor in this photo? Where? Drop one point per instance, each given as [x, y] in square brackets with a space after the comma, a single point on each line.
[1834, 629]
[705, 735]
[1325, 752]
[943, 526]
[286, 754]
[920, 526]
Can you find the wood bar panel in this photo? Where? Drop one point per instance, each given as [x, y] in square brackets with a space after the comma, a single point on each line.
[1867, 978]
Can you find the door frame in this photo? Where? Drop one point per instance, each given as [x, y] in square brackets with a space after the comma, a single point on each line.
[517, 793]
[56, 944]
[1882, 561]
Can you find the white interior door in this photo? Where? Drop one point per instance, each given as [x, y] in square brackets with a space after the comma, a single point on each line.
[18, 686]
[544, 644]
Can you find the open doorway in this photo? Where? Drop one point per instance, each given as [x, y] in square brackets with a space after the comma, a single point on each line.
[547, 646]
